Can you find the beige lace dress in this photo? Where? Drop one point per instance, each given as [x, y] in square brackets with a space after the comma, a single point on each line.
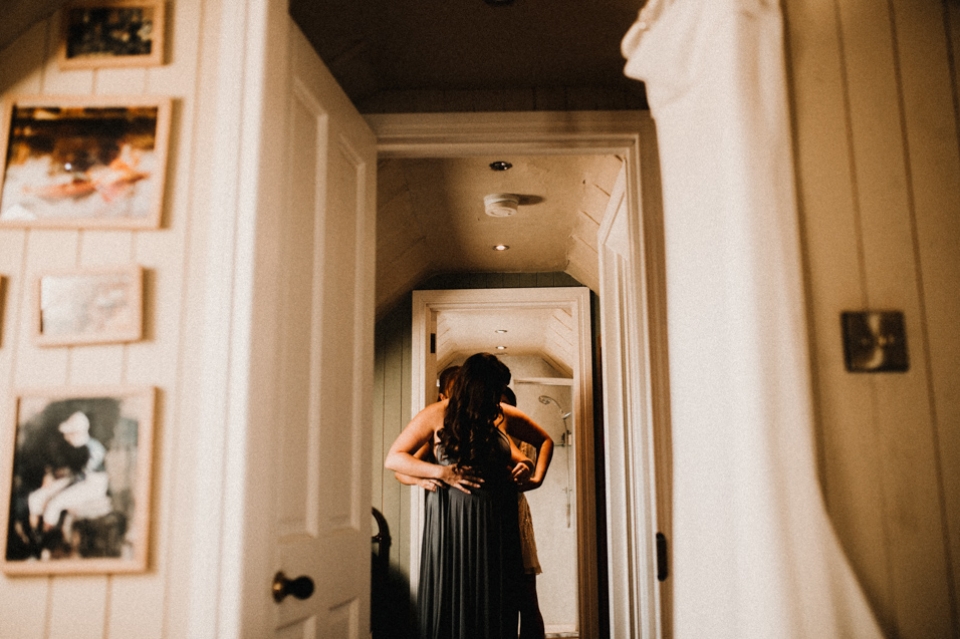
[528, 543]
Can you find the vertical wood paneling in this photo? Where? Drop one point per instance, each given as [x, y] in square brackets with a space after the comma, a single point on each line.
[193, 140]
[105, 248]
[23, 601]
[12, 247]
[24, 607]
[379, 448]
[913, 518]
[135, 605]
[528, 280]
[101, 364]
[829, 223]
[394, 420]
[97, 365]
[78, 607]
[139, 604]
[165, 298]
[877, 168]
[120, 81]
[99, 605]
[934, 170]
[89, 366]
[42, 367]
[406, 357]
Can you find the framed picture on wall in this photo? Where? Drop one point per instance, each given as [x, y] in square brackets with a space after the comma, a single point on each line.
[77, 476]
[84, 162]
[111, 33]
[89, 306]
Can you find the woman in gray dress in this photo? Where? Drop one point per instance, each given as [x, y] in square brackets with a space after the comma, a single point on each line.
[470, 563]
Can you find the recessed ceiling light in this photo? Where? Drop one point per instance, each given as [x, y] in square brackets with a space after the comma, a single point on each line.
[500, 165]
[501, 348]
[500, 247]
[500, 330]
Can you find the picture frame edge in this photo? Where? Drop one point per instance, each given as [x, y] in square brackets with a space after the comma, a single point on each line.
[139, 563]
[138, 273]
[162, 134]
[155, 59]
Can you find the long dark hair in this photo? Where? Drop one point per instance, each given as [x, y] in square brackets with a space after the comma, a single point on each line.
[469, 434]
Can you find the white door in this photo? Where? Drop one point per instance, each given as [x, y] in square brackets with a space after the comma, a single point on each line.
[306, 506]
[635, 400]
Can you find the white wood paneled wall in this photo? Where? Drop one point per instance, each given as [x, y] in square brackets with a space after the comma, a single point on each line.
[874, 89]
[391, 412]
[875, 113]
[97, 606]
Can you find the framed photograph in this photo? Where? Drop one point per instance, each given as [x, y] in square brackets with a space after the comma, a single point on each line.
[111, 33]
[89, 306]
[78, 483]
[84, 162]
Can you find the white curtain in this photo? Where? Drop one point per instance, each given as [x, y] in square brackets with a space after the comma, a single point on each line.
[755, 556]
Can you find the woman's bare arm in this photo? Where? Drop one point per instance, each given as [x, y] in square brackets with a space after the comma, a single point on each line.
[520, 465]
[518, 424]
[421, 430]
[422, 482]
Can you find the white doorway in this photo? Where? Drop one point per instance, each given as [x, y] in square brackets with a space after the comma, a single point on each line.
[228, 585]
[547, 334]
[636, 597]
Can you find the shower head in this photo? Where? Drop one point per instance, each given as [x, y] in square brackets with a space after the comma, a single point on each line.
[546, 399]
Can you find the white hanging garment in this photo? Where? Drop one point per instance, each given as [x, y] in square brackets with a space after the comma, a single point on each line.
[754, 553]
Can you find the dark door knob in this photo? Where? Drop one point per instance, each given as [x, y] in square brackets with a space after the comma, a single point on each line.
[301, 587]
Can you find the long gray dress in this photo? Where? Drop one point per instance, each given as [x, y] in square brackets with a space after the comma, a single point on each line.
[470, 564]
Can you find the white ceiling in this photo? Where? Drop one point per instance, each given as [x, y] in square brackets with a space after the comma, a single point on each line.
[547, 332]
[431, 219]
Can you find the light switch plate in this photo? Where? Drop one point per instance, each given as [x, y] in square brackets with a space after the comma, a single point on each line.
[874, 341]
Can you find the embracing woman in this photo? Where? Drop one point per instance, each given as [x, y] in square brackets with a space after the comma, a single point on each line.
[470, 565]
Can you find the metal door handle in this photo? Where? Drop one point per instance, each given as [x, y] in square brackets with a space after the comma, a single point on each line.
[301, 587]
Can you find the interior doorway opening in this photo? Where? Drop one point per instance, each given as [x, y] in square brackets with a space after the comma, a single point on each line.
[547, 332]
[634, 597]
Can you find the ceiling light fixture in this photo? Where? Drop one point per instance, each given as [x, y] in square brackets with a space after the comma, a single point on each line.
[500, 247]
[501, 348]
[500, 330]
[500, 204]
[500, 165]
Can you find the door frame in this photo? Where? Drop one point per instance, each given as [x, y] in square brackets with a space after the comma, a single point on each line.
[632, 477]
[576, 301]
[224, 551]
